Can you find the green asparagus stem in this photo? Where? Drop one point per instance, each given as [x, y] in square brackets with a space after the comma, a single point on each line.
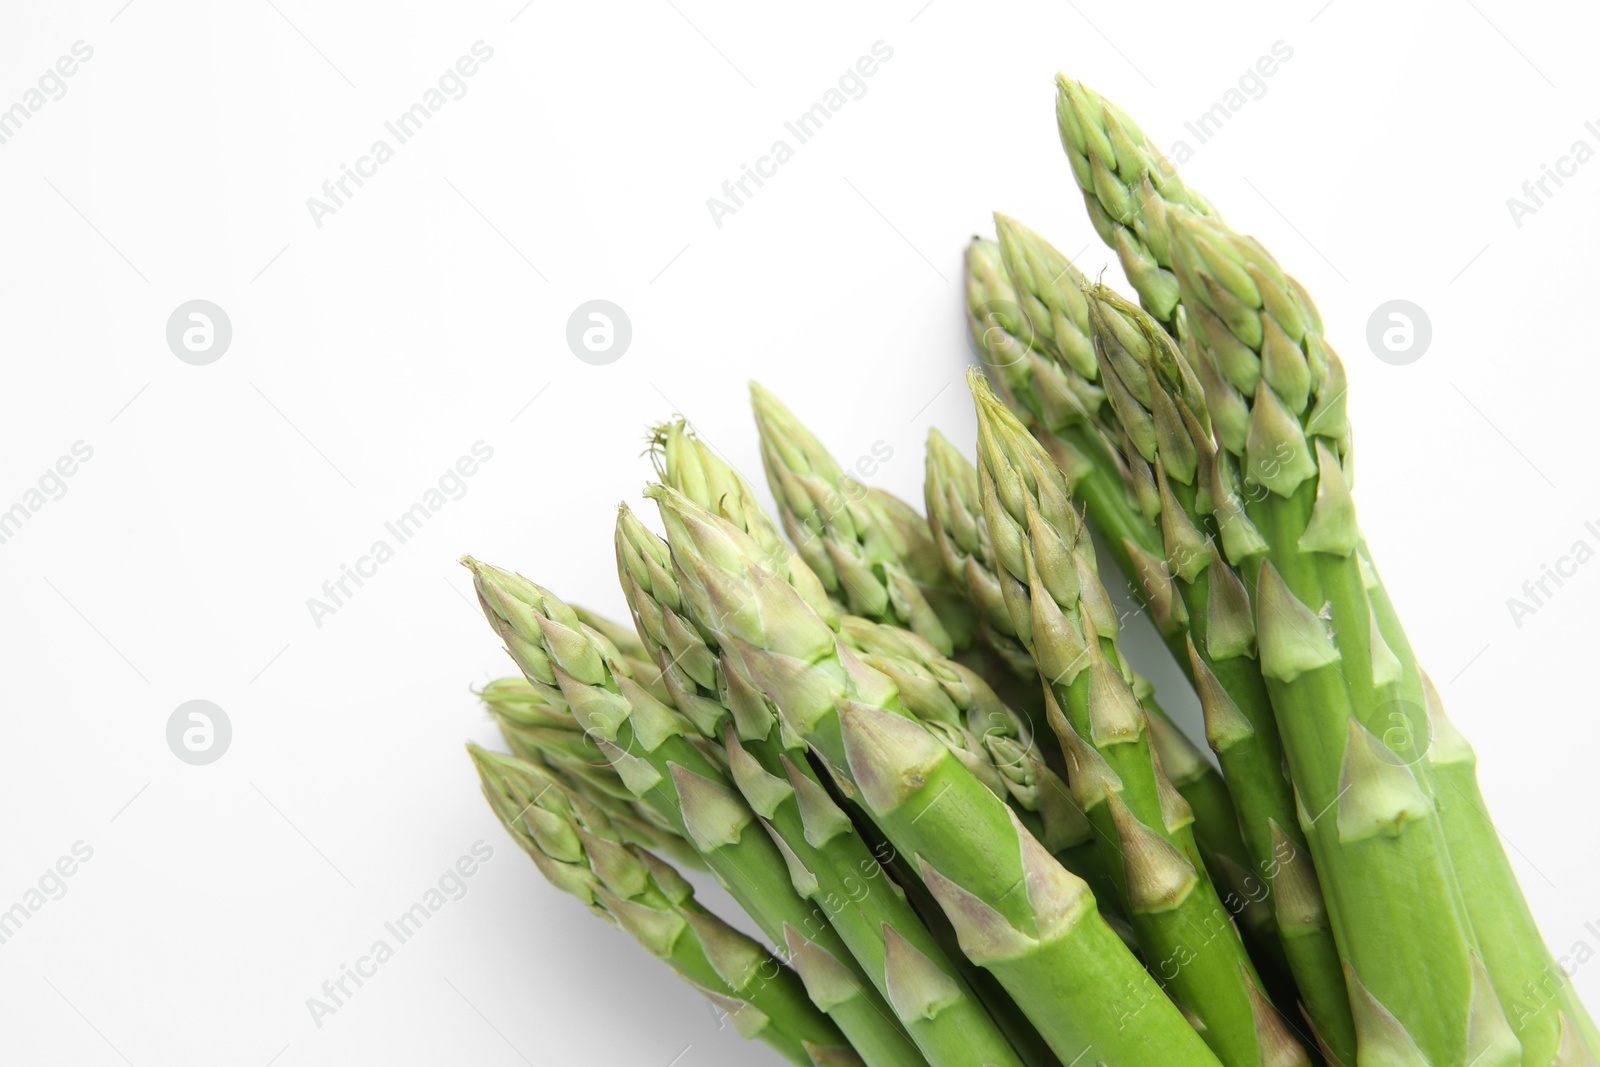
[1112, 480]
[648, 742]
[1017, 912]
[1397, 906]
[1047, 572]
[829, 864]
[1538, 997]
[953, 701]
[1276, 393]
[870, 548]
[963, 540]
[576, 848]
[991, 740]
[1159, 402]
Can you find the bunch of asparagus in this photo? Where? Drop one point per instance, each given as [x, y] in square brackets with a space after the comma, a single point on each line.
[912, 750]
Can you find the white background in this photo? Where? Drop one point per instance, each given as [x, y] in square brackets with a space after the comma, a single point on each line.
[429, 313]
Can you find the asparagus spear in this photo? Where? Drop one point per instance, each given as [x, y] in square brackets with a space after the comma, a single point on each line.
[1276, 394]
[829, 864]
[539, 733]
[684, 462]
[871, 549]
[951, 495]
[1063, 406]
[648, 743]
[1047, 572]
[954, 702]
[1159, 402]
[1112, 480]
[577, 849]
[1017, 912]
[957, 521]
[1128, 187]
[1536, 989]
[991, 740]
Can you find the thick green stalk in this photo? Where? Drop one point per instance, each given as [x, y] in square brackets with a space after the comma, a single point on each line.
[1161, 406]
[1416, 984]
[871, 549]
[991, 740]
[1047, 572]
[829, 863]
[579, 851]
[1264, 338]
[962, 536]
[1277, 396]
[1016, 910]
[954, 702]
[648, 742]
[1538, 997]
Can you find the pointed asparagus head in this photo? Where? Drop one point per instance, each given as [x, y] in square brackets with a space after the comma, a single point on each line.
[685, 462]
[545, 637]
[1001, 330]
[872, 551]
[689, 465]
[1154, 392]
[1049, 288]
[727, 588]
[1129, 188]
[1261, 334]
[954, 512]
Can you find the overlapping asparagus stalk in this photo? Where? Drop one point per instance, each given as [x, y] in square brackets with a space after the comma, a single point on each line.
[1108, 478]
[1017, 912]
[1276, 393]
[829, 863]
[1273, 388]
[1160, 406]
[1042, 373]
[871, 549]
[649, 744]
[578, 850]
[1279, 412]
[1047, 573]
[962, 535]
[951, 700]
[951, 495]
